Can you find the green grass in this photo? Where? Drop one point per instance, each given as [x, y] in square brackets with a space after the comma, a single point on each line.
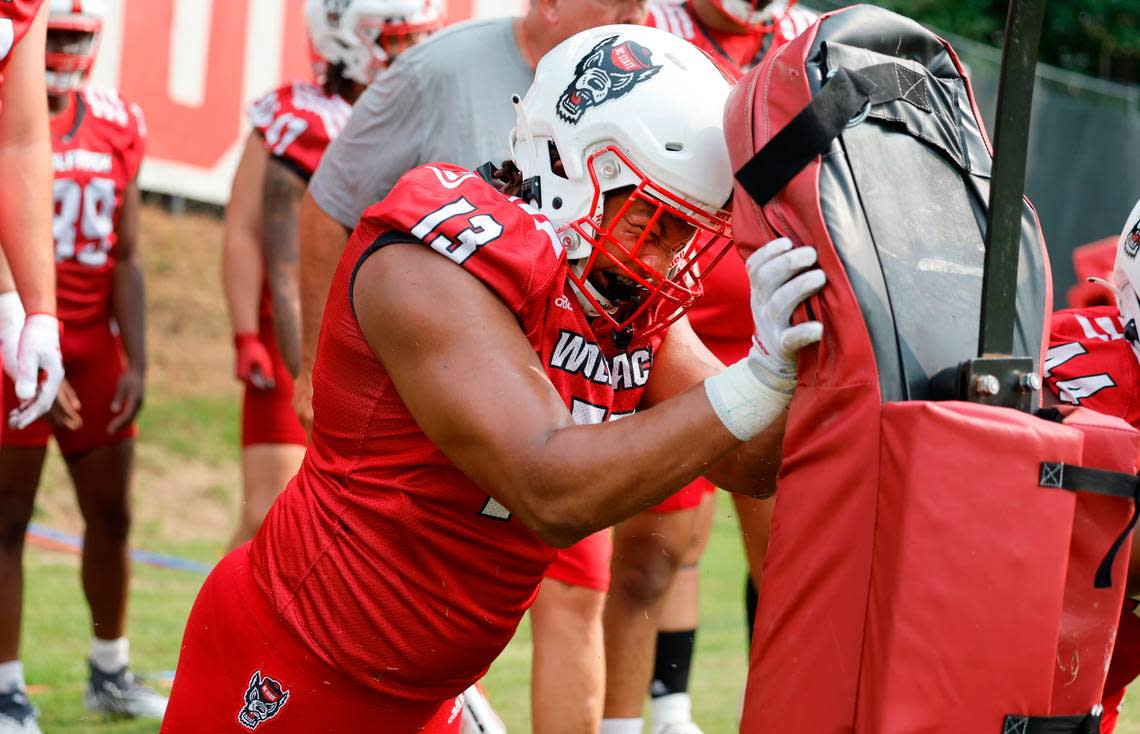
[194, 427]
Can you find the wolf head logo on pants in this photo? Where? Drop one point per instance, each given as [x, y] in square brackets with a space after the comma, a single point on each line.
[263, 700]
[610, 70]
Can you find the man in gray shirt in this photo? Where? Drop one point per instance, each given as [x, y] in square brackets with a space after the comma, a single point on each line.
[449, 99]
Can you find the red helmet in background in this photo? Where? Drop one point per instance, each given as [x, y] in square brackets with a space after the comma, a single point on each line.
[73, 33]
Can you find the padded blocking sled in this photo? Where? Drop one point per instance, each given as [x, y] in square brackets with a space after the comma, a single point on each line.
[916, 573]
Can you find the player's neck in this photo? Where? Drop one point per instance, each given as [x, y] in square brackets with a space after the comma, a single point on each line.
[714, 18]
[58, 103]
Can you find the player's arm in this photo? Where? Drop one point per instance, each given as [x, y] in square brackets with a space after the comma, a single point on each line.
[243, 269]
[282, 190]
[128, 304]
[25, 156]
[475, 386]
[683, 361]
[322, 240]
[25, 222]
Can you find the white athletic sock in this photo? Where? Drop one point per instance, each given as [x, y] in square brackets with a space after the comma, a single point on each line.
[621, 726]
[12, 676]
[675, 707]
[110, 656]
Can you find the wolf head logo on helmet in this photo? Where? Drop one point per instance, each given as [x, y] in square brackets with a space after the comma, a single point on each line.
[263, 700]
[610, 70]
[1132, 241]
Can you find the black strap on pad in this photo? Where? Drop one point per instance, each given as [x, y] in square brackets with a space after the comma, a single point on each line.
[845, 97]
[1098, 481]
[1079, 724]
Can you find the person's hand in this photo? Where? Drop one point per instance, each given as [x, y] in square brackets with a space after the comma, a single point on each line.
[127, 401]
[38, 352]
[303, 400]
[252, 364]
[65, 410]
[781, 278]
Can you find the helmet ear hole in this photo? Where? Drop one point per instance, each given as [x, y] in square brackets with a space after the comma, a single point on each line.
[556, 166]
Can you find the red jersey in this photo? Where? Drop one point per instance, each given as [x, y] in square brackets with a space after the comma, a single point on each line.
[736, 52]
[1090, 363]
[381, 554]
[97, 146]
[297, 122]
[16, 18]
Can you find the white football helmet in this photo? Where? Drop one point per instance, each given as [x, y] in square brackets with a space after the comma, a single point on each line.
[620, 107]
[73, 33]
[1126, 278]
[348, 32]
[754, 13]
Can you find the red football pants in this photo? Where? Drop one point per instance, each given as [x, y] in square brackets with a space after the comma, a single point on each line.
[241, 668]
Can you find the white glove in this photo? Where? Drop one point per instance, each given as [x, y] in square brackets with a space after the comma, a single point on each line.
[780, 281]
[748, 395]
[39, 350]
[11, 322]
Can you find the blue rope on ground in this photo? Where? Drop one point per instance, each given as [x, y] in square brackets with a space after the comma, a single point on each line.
[138, 556]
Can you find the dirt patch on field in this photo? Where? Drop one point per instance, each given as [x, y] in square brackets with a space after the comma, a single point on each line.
[188, 330]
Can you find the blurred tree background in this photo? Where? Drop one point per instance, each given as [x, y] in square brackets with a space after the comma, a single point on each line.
[1096, 37]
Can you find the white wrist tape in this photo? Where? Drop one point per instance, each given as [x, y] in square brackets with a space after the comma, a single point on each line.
[11, 312]
[745, 403]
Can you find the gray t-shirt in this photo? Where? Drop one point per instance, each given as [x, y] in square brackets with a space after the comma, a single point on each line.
[446, 99]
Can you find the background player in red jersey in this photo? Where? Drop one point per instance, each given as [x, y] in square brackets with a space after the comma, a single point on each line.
[1094, 361]
[521, 381]
[97, 141]
[292, 126]
[655, 592]
[30, 343]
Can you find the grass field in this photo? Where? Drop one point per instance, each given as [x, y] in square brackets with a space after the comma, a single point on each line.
[186, 491]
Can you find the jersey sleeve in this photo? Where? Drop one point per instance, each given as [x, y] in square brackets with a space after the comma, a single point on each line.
[16, 18]
[135, 146]
[292, 133]
[1089, 363]
[463, 218]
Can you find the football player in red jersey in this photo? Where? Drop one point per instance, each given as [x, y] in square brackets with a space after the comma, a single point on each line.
[498, 376]
[655, 592]
[292, 126]
[97, 141]
[1094, 361]
[27, 276]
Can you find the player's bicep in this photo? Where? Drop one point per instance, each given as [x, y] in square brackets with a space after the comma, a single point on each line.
[23, 97]
[243, 211]
[681, 361]
[460, 363]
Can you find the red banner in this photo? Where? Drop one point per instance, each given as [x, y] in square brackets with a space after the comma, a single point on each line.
[193, 65]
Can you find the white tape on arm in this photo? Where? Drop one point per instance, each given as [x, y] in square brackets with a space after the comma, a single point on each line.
[745, 403]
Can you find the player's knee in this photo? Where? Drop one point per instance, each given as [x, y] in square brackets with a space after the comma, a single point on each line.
[111, 521]
[12, 533]
[644, 572]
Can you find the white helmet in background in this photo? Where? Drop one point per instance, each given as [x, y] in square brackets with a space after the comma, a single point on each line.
[754, 13]
[349, 32]
[73, 33]
[1126, 278]
[625, 106]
